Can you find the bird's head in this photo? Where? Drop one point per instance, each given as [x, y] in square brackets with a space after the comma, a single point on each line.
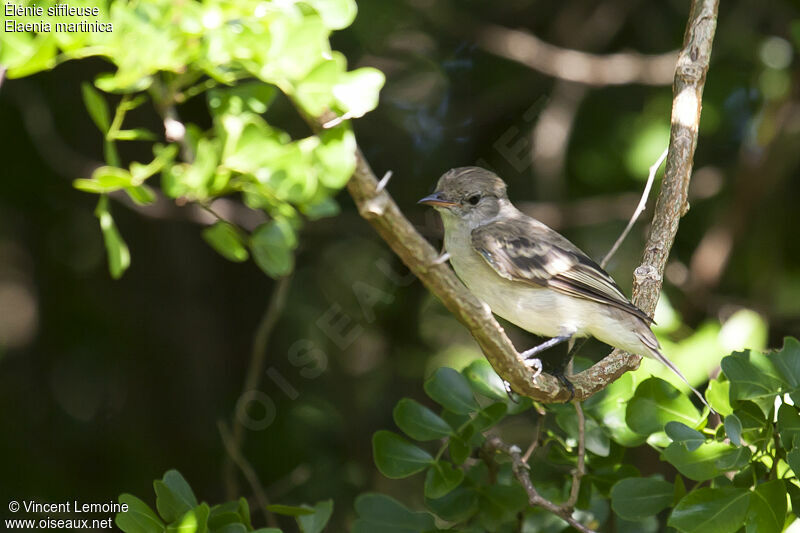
[471, 194]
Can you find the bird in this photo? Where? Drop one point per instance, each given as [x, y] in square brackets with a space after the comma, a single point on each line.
[532, 276]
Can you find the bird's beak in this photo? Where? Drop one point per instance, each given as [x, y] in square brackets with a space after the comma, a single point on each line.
[436, 200]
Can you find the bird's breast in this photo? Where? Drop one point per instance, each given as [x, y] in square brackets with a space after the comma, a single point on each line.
[538, 310]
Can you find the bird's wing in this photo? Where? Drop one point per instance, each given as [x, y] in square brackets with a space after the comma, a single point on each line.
[525, 250]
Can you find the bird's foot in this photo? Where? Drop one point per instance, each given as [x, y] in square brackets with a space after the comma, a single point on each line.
[567, 385]
[535, 364]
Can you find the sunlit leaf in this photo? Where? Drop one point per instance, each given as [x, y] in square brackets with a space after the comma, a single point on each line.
[227, 241]
[272, 245]
[655, 403]
[682, 433]
[96, 105]
[119, 257]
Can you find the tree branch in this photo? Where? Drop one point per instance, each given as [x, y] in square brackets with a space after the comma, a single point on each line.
[580, 470]
[382, 212]
[520, 469]
[576, 66]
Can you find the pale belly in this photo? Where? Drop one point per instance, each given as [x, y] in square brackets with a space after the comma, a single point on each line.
[541, 311]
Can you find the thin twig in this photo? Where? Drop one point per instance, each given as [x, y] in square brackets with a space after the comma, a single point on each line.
[639, 208]
[535, 442]
[255, 370]
[520, 469]
[247, 469]
[580, 471]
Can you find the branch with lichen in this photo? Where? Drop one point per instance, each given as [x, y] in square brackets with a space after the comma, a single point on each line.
[379, 209]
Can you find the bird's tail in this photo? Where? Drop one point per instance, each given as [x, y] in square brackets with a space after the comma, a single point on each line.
[655, 353]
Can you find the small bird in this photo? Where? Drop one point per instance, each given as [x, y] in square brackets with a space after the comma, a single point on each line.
[532, 276]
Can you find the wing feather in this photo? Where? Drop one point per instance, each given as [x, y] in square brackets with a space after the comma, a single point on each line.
[523, 249]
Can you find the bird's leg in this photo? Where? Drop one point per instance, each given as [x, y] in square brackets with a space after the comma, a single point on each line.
[536, 364]
[528, 354]
[560, 371]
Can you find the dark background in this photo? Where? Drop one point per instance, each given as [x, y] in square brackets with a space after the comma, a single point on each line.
[106, 384]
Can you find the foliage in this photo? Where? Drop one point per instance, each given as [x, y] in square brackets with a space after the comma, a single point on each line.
[179, 511]
[734, 472]
[239, 56]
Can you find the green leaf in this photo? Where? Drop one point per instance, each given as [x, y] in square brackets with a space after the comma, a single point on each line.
[273, 245]
[357, 91]
[711, 511]
[193, 521]
[793, 458]
[232, 528]
[315, 523]
[174, 496]
[597, 441]
[336, 154]
[227, 241]
[484, 380]
[290, 510]
[96, 105]
[754, 423]
[315, 92]
[787, 361]
[718, 396]
[450, 389]
[753, 377]
[767, 512]
[136, 134]
[700, 464]
[788, 425]
[419, 422]
[489, 416]
[500, 504]
[733, 428]
[456, 506]
[119, 258]
[459, 449]
[736, 459]
[105, 179]
[397, 458]
[253, 96]
[139, 518]
[141, 194]
[679, 432]
[378, 512]
[442, 478]
[657, 402]
[336, 14]
[638, 498]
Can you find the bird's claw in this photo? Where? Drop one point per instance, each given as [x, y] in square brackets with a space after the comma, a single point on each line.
[534, 364]
[509, 392]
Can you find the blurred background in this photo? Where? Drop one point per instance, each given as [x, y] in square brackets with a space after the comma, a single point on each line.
[106, 384]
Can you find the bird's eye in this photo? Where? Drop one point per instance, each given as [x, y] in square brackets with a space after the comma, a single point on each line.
[474, 199]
